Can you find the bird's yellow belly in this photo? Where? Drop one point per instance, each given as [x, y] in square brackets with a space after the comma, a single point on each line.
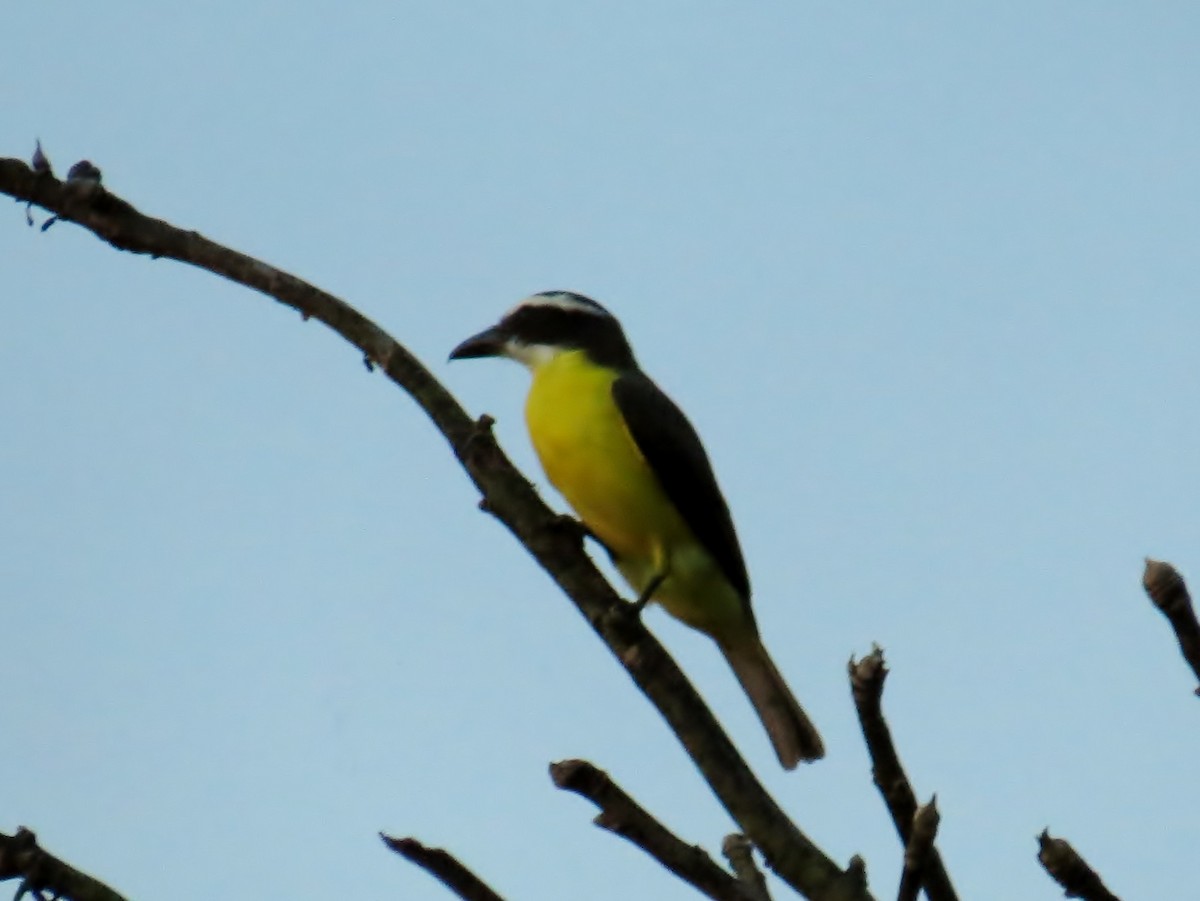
[590, 457]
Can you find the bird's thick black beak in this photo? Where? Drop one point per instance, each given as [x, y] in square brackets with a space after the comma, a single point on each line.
[488, 343]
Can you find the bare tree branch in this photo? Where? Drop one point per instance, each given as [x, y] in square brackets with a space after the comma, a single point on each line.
[39, 871]
[623, 816]
[506, 494]
[920, 847]
[1170, 595]
[1070, 870]
[444, 866]
[740, 854]
[866, 685]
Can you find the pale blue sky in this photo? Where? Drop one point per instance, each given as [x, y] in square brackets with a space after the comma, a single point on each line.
[924, 278]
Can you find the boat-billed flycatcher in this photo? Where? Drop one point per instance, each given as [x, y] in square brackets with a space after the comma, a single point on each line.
[631, 465]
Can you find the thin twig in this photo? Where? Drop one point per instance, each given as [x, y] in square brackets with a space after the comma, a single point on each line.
[919, 849]
[1069, 870]
[443, 866]
[866, 684]
[507, 494]
[39, 871]
[623, 816]
[740, 853]
[1170, 595]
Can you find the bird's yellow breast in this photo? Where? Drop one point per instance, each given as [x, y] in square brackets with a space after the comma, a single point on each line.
[593, 461]
[591, 458]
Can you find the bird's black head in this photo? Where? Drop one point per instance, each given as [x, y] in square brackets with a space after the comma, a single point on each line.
[545, 325]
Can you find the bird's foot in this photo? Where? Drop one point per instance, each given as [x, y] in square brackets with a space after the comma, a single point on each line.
[647, 593]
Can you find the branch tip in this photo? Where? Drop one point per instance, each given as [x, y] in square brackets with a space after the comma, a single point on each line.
[869, 673]
[1168, 592]
[867, 678]
[444, 867]
[1070, 870]
[621, 815]
[918, 853]
[1161, 581]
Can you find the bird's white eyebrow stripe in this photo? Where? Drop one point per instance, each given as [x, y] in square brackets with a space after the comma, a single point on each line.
[560, 300]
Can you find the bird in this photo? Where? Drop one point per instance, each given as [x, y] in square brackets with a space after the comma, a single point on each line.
[632, 467]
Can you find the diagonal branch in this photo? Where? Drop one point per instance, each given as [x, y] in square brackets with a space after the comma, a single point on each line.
[866, 684]
[443, 866]
[623, 816]
[39, 871]
[1170, 595]
[1069, 870]
[506, 494]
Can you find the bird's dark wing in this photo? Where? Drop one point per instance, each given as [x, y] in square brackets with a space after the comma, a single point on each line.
[676, 456]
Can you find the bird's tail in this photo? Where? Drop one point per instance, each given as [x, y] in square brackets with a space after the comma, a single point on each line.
[792, 733]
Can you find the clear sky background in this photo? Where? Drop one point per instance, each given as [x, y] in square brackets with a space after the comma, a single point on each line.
[924, 276]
